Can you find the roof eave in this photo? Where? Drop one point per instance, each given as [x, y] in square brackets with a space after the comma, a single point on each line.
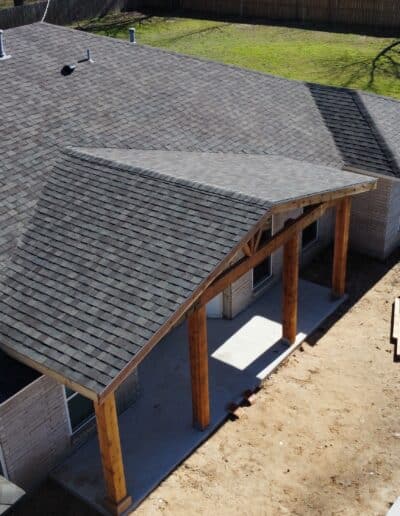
[41, 368]
[351, 168]
[327, 196]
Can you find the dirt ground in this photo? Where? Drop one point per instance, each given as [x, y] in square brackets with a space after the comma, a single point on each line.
[323, 437]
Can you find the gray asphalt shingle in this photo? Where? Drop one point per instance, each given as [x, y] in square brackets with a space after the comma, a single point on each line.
[141, 97]
[266, 177]
[108, 257]
[110, 252]
[115, 248]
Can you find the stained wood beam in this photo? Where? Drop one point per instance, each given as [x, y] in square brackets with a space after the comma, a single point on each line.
[198, 353]
[245, 264]
[257, 240]
[342, 227]
[290, 279]
[117, 499]
[247, 250]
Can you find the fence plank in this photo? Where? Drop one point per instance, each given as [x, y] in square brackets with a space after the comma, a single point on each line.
[376, 14]
[62, 12]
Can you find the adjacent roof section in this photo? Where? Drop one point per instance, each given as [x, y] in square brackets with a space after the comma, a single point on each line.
[361, 134]
[114, 251]
[109, 256]
[141, 97]
[265, 178]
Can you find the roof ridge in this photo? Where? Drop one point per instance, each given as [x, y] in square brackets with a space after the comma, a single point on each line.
[188, 183]
[376, 134]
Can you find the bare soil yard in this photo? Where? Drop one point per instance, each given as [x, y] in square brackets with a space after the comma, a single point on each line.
[323, 437]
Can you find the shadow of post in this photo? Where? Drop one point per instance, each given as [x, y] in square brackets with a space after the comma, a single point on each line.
[363, 273]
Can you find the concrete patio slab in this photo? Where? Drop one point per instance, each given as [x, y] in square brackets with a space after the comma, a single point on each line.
[156, 431]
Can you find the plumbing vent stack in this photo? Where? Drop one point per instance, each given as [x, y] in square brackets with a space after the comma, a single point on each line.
[132, 35]
[89, 56]
[3, 54]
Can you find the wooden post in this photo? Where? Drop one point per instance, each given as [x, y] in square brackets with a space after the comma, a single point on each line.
[342, 227]
[290, 288]
[117, 499]
[198, 353]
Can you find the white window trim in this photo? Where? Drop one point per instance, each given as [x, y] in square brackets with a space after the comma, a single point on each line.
[312, 241]
[3, 463]
[83, 424]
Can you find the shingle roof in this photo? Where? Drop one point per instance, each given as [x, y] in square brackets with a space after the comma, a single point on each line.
[107, 258]
[141, 97]
[113, 251]
[261, 177]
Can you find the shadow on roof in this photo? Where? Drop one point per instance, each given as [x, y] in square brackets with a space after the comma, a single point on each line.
[356, 135]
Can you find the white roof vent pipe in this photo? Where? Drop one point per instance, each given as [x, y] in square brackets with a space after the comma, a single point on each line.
[87, 59]
[3, 54]
[132, 35]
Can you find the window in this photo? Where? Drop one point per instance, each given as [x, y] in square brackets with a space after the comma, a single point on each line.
[263, 271]
[80, 409]
[310, 233]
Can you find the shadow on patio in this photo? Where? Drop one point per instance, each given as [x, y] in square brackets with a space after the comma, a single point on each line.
[156, 431]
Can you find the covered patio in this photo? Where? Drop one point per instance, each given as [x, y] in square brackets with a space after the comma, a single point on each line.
[156, 432]
[223, 359]
[123, 247]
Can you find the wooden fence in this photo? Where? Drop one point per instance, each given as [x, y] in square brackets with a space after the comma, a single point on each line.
[62, 12]
[378, 14]
[366, 13]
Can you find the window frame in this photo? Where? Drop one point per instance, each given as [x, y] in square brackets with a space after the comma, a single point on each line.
[312, 242]
[73, 431]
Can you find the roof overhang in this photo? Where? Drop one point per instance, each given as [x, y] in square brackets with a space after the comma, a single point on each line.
[317, 190]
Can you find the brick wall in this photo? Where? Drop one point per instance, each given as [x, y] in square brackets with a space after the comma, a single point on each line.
[373, 220]
[34, 431]
[392, 236]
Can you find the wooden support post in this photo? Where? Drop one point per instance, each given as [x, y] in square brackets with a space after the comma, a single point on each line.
[342, 227]
[197, 322]
[117, 498]
[290, 288]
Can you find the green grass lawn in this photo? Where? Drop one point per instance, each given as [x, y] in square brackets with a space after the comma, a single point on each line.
[324, 57]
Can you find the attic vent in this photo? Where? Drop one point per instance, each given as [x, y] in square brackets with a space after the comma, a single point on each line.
[70, 68]
[132, 35]
[3, 54]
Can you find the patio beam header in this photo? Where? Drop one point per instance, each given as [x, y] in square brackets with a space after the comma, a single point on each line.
[249, 262]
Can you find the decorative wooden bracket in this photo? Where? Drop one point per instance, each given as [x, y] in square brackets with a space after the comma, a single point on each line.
[251, 247]
[249, 262]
